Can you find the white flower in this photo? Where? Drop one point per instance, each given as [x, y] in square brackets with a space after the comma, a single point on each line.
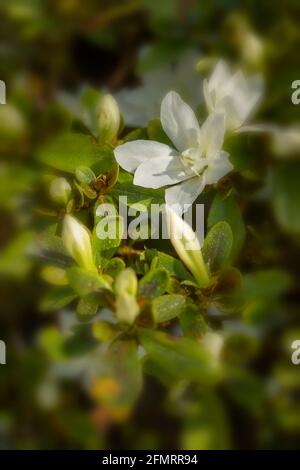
[232, 94]
[77, 241]
[187, 246]
[197, 159]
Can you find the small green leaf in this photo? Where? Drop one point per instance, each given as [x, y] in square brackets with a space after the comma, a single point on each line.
[84, 282]
[90, 100]
[229, 211]
[87, 307]
[14, 260]
[153, 284]
[286, 196]
[85, 175]
[114, 266]
[167, 307]
[217, 246]
[52, 342]
[137, 194]
[192, 322]
[54, 275]
[104, 331]
[57, 298]
[173, 266]
[107, 236]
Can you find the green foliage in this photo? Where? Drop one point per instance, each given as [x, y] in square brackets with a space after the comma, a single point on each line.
[217, 246]
[153, 284]
[173, 266]
[87, 307]
[57, 298]
[85, 282]
[138, 195]
[67, 152]
[167, 307]
[105, 245]
[227, 210]
[192, 321]
[180, 358]
[286, 196]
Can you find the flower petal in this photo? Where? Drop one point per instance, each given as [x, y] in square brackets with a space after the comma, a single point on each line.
[208, 97]
[184, 194]
[179, 122]
[212, 134]
[218, 167]
[220, 76]
[161, 171]
[131, 154]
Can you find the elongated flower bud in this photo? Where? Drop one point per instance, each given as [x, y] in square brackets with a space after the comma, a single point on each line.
[127, 308]
[77, 241]
[108, 119]
[187, 246]
[60, 191]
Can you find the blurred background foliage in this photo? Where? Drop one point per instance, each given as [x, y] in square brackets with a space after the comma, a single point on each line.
[61, 388]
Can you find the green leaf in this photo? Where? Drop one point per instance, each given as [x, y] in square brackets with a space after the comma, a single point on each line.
[85, 175]
[167, 307]
[192, 322]
[90, 100]
[14, 260]
[84, 282]
[87, 307]
[173, 266]
[228, 210]
[57, 298]
[114, 267]
[107, 237]
[217, 246]
[286, 196]
[52, 342]
[153, 284]
[70, 151]
[137, 194]
[104, 331]
[180, 358]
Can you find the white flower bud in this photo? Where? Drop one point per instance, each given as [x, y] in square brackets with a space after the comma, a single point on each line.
[187, 246]
[60, 191]
[126, 285]
[108, 119]
[252, 50]
[77, 241]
